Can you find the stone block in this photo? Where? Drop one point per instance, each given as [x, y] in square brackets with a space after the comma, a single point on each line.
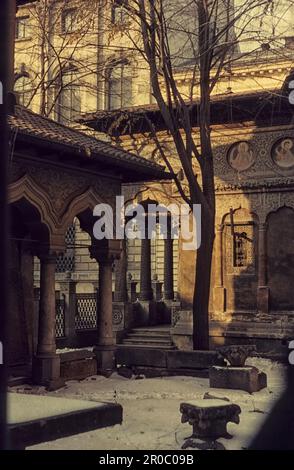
[140, 357]
[191, 359]
[247, 378]
[78, 370]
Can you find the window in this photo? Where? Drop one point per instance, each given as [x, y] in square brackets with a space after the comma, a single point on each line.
[66, 262]
[119, 88]
[23, 89]
[119, 12]
[242, 247]
[22, 27]
[68, 101]
[69, 20]
[240, 250]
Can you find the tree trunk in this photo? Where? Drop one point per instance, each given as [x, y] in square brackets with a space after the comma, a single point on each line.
[202, 284]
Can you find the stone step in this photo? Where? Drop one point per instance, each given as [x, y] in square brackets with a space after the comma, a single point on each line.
[148, 335]
[145, 346]
[128, 340]
[151, 331]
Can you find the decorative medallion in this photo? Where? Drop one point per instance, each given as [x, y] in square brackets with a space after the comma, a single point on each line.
[283, 153]
[240, 156]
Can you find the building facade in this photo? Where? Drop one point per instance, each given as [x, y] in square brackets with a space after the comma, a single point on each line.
[88, 66]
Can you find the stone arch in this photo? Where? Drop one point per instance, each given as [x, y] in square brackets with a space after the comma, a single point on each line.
[280, 251]
[81, 206]
[26, 189]
[241, 213]
[240, 259]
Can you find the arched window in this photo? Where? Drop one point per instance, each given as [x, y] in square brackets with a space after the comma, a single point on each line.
[119, 87]
[68, 99]
[119, 12]
[23, 88]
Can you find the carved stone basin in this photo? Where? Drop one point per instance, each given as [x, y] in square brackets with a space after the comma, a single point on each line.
[236, 355]
[209, 418]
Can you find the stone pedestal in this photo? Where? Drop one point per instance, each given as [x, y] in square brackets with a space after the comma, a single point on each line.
[263, 299]
[122, 319]
[219, 299]
[182, 332]
[246, 378]
[209, 418]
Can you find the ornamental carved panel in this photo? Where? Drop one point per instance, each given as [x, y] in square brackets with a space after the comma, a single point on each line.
[253, 159]
[241, 156]
[283, 153]
[63, 186]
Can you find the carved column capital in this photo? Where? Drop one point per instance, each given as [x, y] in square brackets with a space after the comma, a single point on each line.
[106, 251]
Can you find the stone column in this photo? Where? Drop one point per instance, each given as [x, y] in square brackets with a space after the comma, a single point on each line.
[146, 292]
[105, 254]
[168, 264]
[46, 366]
[263, 289]
[68, 289]
[121, 289]
[219, 290]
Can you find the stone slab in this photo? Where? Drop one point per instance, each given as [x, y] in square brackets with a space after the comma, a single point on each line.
[191, 359]
[132, 356]
[33, 419]
[247, 378]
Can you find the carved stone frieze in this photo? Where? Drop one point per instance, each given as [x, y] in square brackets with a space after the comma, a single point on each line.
[262, 167]
[62, 186]
[260, 202]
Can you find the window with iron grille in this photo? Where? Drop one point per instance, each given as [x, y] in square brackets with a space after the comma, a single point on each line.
[86, 311]
[60, 318]
[66, 262]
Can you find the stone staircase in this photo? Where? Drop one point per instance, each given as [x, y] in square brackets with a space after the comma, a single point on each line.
[151, 337]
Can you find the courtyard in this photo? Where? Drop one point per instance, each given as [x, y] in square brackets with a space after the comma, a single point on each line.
[151, 409]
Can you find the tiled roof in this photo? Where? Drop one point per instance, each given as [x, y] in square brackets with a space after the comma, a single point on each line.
[27, 123]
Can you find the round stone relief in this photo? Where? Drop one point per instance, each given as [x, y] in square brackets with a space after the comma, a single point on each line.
[240, 156]
[283, 153]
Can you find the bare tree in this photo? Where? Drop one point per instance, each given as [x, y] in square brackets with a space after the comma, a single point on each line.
[64, 38]
[202, 37]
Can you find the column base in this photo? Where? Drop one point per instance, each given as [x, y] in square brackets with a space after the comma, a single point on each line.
[146, 313]
[263, 299]
[105, 356]
[219, 299]
[46, 371]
